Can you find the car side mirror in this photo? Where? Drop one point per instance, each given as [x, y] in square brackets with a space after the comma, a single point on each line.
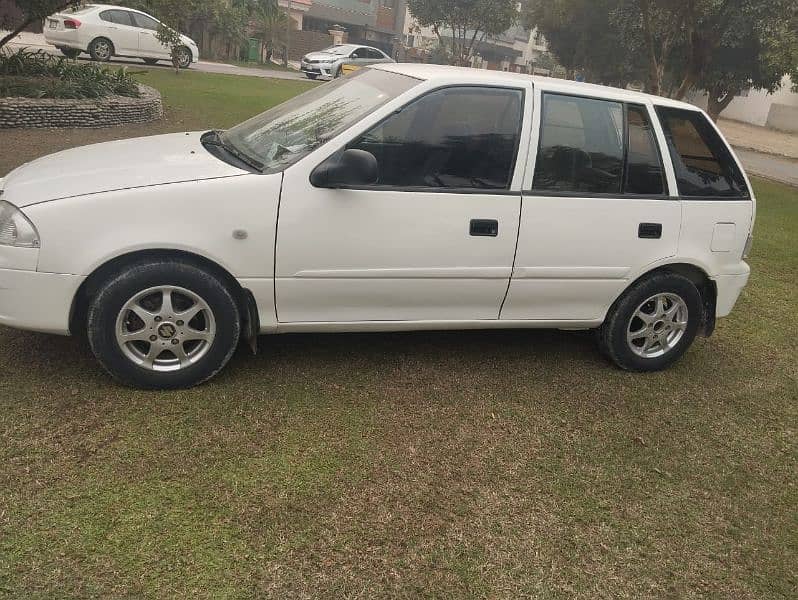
[352, 167]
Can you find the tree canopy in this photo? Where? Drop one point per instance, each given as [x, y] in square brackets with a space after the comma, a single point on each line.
[461, 25]
[721, 46]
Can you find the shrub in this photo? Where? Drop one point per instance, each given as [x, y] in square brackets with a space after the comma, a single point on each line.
[40, 75]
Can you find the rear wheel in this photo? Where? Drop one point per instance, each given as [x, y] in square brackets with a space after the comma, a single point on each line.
[70, 52]
[163, 324]
[101, 49]
[653, 324]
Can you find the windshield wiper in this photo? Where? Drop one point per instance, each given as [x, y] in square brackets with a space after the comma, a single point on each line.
[215, 139]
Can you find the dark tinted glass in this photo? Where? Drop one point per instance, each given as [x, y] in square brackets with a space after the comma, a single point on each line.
[644, 174]
[702, 162]
[375, 54]
[581, 145]
[144, 21]
[462, 137]
[121, 17]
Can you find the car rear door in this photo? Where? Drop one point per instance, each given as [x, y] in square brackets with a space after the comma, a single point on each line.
[149, 44]
[434, 239]
[120, 30]
[596, 208]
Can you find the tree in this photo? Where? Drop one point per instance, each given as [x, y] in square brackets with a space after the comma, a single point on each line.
[32, 11]
[270, 27]
[721, 46]
[461, 25]
[584, 36]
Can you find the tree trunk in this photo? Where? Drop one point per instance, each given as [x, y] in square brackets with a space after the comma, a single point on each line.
[717, 102]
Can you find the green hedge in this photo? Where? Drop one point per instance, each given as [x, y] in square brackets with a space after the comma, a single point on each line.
[30, 74]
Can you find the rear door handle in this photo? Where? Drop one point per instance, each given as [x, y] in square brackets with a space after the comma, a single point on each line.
[484, 227]
[651, 231]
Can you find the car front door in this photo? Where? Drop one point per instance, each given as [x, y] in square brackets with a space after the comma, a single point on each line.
[596, 209]
[149, 44]
[433, 239]
[121, 32]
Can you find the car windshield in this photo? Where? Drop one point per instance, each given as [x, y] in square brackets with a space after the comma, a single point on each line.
[286, 133]
[339, 49]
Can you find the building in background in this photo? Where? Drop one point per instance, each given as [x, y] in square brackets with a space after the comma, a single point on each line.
[377, 23]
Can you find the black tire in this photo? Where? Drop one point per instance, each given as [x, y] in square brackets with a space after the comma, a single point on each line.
[184, 57]
[612, 336]
[338, 72]
[105, 308]
[70, 52]
[150, 61]
[312, 75]
[101, 49]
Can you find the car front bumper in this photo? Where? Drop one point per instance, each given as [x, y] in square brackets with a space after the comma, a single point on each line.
[321, 71]
[36, 301]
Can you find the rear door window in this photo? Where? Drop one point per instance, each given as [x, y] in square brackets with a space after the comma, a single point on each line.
[144, 21]
[703, 164]
[120, 17]
[581, 145]
[644, 174]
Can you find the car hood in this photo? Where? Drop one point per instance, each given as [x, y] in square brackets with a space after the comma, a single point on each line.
[109, 166]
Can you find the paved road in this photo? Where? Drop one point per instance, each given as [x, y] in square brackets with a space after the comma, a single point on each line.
[780, 169]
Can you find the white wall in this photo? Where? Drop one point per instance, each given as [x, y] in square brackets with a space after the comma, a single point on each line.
[778, 110]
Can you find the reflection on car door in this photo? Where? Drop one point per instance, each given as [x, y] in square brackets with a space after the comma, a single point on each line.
[434, 239]
[596, 213]
[149, 45]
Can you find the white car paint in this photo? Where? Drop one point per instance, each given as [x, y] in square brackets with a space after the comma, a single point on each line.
[358, 260]
[88, 24]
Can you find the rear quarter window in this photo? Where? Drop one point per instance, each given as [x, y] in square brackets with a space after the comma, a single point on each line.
[702, 162]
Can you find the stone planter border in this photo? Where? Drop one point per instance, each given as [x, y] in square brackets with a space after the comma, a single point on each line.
[87, 112]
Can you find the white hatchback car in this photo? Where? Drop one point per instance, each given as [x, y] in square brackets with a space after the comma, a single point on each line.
[105, 31]
[403, 197]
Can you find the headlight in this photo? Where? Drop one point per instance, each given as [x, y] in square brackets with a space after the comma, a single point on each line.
[15, 228]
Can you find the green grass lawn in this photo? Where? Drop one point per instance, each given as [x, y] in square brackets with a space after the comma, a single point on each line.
[221, 100]
[481, 464]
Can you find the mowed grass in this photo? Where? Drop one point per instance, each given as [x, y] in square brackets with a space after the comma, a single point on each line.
[462, 464]
[204, 100]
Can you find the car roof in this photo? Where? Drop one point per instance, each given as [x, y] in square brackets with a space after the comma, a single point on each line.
[116, 7]
[447, 74]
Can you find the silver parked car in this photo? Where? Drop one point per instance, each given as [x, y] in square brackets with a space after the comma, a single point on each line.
[330, 61]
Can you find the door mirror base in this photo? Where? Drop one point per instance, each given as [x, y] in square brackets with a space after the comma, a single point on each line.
[352, 167]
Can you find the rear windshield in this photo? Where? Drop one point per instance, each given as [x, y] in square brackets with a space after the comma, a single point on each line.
[703, 164]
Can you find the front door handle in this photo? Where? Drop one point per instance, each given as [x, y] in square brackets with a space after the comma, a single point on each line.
[484, 227]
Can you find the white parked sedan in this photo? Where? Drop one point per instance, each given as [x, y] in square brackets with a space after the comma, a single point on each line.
[404, 197]
[105, 31]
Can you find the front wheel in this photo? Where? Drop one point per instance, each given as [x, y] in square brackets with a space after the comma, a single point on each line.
[183, 57]
[163, 324]
[312, 75]
[653, 324]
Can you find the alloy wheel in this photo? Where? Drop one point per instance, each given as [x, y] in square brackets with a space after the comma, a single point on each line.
[657, 326]
[165, 328]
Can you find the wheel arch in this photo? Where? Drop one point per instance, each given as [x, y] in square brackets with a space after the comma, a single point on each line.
[92, 283]
[698, 276]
